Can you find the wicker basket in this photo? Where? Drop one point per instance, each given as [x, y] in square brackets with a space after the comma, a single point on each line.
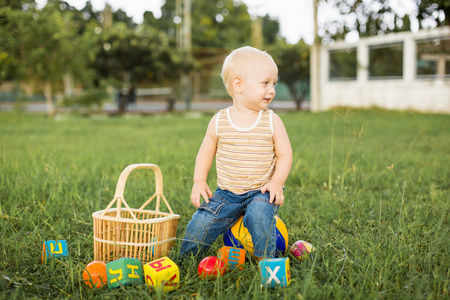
[134, 233]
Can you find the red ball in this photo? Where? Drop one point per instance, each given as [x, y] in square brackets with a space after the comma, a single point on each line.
[211, 266]
[95, 274]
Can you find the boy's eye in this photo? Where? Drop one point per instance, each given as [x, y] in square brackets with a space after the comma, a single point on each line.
[266, 83]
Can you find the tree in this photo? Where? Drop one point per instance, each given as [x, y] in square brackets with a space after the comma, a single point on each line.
[41, 46]
[150, 21]
[271, 30]
[8, 67]
[221, 24]
[432, 10]
[166, 23]
[215, 24]
[375, 17]
[85, 18]
[16, 4]
[130, 57]
[293, 67]
[366, 17]
[121, 16]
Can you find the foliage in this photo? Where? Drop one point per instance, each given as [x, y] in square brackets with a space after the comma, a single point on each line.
[219, 25]
[120, 16]
[130, 57]
[271, 30]
[380, 233]
[430, 10]
[7, 63]
[293, 63]
[215, 24]
[370, 18]
[15, 4]
[41, 46]
[91, 99]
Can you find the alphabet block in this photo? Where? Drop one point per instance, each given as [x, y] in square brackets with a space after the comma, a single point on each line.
[232, 257]
[162, 273]
[124, 271]
[275, 272]
[54, 249]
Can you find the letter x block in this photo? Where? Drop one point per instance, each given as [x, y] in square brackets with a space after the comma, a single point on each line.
[275, 272]
[231, 257]
[162, 273]
[54, 249]
[124, 271]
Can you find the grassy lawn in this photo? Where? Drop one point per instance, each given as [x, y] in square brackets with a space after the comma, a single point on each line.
[369, 189]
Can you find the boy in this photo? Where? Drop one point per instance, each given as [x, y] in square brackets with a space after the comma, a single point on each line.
[253, 159]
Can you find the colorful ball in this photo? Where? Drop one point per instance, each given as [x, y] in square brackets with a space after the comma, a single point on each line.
[95, 274]
[238, 236]
[211, 266]
[301, 249]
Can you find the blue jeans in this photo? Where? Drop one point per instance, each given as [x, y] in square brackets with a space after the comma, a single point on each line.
[224, 208]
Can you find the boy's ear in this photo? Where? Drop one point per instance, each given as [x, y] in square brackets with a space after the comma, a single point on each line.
[236, 83]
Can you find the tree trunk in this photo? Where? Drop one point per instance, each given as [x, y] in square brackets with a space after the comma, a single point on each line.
[47, 89]
[122, 103]
[68, 84]
[293, 91]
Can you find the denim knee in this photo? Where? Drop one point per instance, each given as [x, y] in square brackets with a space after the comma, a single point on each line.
[208, 222]
[260, 222]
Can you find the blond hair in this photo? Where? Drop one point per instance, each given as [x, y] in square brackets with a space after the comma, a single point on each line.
[234, 64]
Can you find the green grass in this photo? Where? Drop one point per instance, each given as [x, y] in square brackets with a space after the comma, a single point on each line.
[379, 232]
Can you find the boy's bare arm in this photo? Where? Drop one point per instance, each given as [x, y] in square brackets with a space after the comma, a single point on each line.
[203, 164]
[283, 151]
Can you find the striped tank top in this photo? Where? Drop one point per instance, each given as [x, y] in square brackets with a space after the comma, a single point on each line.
[245, 157]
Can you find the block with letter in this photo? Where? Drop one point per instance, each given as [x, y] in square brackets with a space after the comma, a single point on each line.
[162, 273]
[275, 272]
[54, 249]
[124, 271]
[232, 257]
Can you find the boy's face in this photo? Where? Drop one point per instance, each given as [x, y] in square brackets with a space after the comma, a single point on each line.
[258, 83]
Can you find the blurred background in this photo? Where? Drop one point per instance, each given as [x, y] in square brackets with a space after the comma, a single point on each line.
[121, 56]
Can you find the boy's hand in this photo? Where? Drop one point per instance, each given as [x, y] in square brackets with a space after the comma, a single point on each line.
[199, 189]
[276, 192]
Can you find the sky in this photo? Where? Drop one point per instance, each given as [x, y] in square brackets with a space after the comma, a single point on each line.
[295, 16]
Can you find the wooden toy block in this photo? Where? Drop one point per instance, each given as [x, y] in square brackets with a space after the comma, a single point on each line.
[275, 272]
[124, 271]
[54, 249]
[162, 273]
[232, 257]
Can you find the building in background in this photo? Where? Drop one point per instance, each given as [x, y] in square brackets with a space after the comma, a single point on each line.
[396, 71]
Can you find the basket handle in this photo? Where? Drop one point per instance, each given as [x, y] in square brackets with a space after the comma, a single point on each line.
[120, 188]
[124, 175]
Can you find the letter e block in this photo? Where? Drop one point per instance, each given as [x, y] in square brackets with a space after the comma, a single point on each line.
[124, 271]
[275, 272]
[54, 249]
[231, 257]
[162, 273]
